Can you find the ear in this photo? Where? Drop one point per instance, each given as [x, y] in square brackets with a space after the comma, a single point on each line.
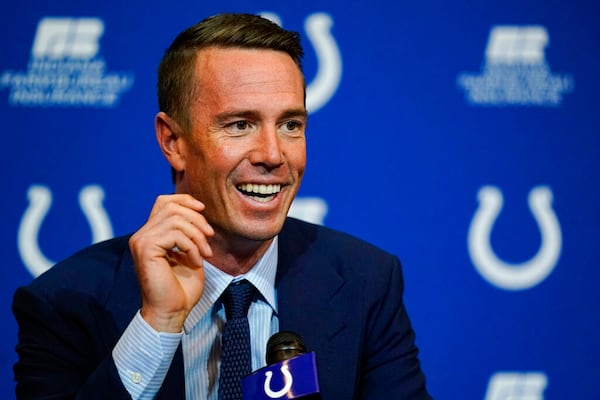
[170, 140]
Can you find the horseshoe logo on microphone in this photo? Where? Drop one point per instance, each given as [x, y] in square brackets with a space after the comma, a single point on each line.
[514, 276]
[40, 200]
[329, 73]
[289, 379]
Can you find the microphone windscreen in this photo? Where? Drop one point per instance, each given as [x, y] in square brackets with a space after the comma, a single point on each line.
[283, 346]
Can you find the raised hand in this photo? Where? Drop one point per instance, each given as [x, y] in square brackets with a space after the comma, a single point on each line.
[168, 251]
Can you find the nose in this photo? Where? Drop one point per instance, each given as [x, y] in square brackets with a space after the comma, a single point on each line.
[267, 151]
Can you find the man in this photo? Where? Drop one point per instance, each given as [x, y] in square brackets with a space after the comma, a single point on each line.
[143, 316]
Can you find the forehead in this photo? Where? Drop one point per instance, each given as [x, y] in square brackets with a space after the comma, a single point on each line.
[246, 71]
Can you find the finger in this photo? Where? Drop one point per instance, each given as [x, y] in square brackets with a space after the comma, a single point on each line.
[195, 218]
[185, 252]
[183, 200]
[193, 227]
[170, 210]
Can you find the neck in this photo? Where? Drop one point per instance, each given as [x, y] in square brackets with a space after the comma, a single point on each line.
[236, 257]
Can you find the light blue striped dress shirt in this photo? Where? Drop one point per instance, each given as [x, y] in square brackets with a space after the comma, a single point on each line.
[143, 356]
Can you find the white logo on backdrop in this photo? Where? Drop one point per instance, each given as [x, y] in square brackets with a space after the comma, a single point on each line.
[309, 209]
[329, 73]
[40, 201]
[517, 386]
[515, 71]
[514, 276]
[58, 38]
[65, 68]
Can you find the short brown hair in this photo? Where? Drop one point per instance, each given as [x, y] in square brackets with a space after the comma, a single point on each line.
[176, 69]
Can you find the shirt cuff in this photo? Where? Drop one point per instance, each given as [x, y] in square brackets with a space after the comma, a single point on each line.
[143, 356]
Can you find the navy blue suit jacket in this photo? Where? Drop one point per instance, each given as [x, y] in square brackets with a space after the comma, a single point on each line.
[342, 295]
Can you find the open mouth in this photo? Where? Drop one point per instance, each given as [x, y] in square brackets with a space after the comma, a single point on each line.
[259, 192]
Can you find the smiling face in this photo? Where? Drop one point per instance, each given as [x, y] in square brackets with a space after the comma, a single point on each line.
[244, 153]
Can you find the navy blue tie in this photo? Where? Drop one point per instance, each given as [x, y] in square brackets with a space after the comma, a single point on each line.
[236, 359]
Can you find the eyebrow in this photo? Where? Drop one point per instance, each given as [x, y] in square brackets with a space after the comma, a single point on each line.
[294, 113]
[249, 114]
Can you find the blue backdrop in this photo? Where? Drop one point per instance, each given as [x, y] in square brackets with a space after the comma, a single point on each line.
[462, 136]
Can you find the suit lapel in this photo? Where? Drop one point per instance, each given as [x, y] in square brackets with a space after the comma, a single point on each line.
[319, 303]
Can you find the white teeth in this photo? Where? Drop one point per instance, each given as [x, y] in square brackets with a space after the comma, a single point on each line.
[260, 189]
[262, 199]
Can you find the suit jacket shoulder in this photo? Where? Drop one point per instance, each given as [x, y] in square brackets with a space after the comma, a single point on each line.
[91, 270]
[344, 250]
[69, 321]
[344, 296]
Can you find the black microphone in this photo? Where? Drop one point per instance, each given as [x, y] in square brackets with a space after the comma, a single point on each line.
[291, 371]
[283, 346]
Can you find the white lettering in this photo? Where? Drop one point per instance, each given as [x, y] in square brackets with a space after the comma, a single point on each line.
[517, 386]
[67, 38]
[309, 209]
[516, 45]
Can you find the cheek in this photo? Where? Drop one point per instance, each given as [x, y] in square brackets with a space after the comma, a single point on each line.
[297, 158]
[226, 158]
[229, 153]
[213, 156]
[300, 166]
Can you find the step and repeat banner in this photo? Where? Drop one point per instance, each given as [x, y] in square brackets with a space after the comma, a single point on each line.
[462, 136]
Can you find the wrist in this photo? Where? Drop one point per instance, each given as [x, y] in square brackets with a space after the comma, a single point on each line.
[164, 322]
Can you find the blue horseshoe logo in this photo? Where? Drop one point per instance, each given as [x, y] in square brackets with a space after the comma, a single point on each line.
[40, 201]
[329, 72]
[514, 276]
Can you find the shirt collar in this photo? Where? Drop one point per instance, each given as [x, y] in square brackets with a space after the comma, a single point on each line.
[261, 275]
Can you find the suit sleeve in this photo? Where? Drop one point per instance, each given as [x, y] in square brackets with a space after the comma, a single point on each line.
[391, 368]
[64, 347]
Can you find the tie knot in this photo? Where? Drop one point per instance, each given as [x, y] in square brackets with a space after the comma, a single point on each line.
[237, 298]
